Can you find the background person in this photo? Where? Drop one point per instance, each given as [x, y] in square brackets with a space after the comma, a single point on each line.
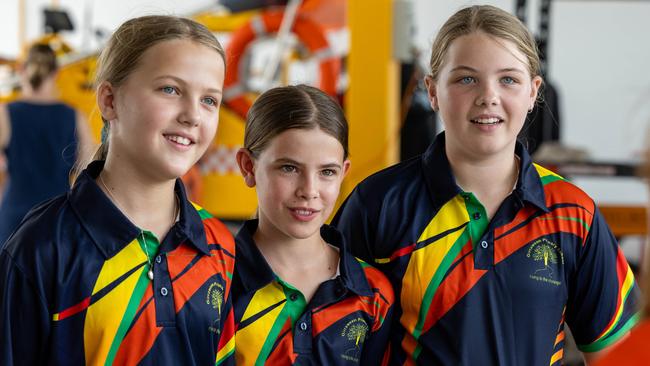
[41, 138]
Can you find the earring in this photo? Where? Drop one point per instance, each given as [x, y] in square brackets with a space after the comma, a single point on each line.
[530, 110]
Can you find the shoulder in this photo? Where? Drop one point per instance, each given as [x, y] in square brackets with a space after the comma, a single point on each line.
[390, 183]
[558, 190]
[215, 230]
[36, 241]
[379, 283]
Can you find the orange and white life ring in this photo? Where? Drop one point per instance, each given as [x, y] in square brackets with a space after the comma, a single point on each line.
[308, 32]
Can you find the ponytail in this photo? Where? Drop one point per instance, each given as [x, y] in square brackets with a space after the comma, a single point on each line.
[40, 63]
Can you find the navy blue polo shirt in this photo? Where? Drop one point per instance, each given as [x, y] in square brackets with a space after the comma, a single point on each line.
[479, 292]
[74, 288]
[346, 321]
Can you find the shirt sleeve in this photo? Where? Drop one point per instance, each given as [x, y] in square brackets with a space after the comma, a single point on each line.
[603, 296]
[352, 220]
[24, 317]
[377, 348]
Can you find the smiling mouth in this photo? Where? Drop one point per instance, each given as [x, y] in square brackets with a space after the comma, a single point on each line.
[179, 140]
[303, 212]
[487, 121]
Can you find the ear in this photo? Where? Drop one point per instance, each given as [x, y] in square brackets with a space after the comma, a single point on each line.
[246, 164]
[431, 92]
[106, 100]
[346, 167]
[535, 84]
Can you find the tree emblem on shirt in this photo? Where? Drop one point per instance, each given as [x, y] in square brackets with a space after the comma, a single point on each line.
[545, 253]
[355, 331]
[215, 296]
[550, 257]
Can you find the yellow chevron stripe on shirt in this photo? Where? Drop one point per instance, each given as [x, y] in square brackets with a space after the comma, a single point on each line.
[425, 262]
[254, 335]
[103, 317]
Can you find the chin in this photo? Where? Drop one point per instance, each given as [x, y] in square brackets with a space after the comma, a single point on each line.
[177, 169]
[302, 232]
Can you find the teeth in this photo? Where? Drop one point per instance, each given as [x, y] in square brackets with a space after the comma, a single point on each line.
[486, 121]
[304, 212]
[179, 140]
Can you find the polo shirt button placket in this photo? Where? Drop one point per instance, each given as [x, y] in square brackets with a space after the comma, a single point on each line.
[484, 244]
[164, 291]
[303, 326]
[293, 297]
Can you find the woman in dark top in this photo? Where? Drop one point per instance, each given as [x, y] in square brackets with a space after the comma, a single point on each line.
[41, 138]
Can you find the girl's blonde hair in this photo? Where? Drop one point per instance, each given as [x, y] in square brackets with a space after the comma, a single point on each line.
[129, 42]
[490, 20]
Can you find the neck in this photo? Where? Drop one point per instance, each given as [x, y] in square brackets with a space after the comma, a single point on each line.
[46, 92]
[284, 253]
[500, 172]
[149, 206]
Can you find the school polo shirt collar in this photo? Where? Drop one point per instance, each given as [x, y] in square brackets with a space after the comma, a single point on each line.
[442, 185]
[110, 229]
[255, 272]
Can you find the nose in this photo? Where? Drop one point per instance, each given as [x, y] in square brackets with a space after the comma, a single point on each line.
[307, 187]
[488, 95]
[190, 112]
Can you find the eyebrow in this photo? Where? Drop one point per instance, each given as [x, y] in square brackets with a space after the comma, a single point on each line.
[293, 162]
[467, 68]
[181, 81]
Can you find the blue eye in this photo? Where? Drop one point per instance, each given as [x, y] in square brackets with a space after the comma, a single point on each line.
[169, 90]
[210, 101]
[329, 172]
[508, 80]
[467, 80]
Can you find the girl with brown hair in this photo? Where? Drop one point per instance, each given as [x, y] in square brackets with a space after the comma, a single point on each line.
[299, 296]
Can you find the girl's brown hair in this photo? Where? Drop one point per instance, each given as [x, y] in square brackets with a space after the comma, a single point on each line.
[300, 106]
[490, 20]
[39, 64]
[130, 41]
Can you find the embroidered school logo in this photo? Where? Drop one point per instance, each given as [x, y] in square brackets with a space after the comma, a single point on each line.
[355, 332]
[549, 258]
[214, 298]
